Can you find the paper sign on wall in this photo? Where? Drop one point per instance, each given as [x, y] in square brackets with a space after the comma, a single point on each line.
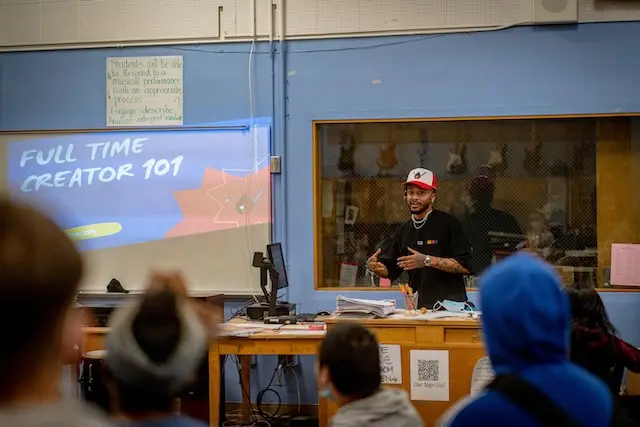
[145, 91]
[348, 274]
[390, 364]
[625, 264]
[430, 375]
[482, 375]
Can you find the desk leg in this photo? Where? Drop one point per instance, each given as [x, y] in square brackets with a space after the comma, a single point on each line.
[322, 412]
[75, 378]
[214, 384]
[245, 366]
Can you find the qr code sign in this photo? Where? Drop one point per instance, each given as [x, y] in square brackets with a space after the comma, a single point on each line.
[428, 370]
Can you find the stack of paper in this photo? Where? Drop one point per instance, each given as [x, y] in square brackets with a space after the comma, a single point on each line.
[245, 329]
[379, 308]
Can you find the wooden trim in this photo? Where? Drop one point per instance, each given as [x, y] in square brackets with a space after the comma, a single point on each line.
[477, 118]
[317, 208]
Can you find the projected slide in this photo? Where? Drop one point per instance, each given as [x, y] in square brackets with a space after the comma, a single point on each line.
[123, 188]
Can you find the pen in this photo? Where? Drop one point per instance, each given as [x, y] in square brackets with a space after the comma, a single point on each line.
[406, 292]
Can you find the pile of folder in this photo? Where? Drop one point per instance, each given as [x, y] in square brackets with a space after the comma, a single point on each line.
[378, 308]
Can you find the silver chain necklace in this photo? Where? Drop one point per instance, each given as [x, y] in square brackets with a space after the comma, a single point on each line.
[419, 223]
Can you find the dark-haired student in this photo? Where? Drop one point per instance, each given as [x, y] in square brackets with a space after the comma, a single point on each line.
[349, 373]
[153, 351]
[40, 273]
[595, 344]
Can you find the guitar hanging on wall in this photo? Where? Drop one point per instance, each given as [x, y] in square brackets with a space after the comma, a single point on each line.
[423, 147]
[533, 153]
[346, 162]
[498, 159]
[457, 163]
[388, 159]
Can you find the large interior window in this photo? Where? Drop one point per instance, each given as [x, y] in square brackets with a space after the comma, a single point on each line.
[543, 183]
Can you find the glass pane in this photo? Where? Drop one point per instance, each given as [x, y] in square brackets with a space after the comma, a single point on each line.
[513, 184]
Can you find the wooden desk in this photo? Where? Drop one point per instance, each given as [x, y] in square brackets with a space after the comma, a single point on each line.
[461, 338]
[94, 338]
[264, 343]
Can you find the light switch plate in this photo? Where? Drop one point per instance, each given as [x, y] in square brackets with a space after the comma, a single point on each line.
[275, 164]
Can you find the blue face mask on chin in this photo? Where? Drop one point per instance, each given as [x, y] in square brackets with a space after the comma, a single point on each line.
[454, 306]
[326, 393]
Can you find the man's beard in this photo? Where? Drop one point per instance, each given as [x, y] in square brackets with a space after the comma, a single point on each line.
[422, 208]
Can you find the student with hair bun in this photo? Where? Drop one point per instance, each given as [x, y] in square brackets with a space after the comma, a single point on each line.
[153, 351]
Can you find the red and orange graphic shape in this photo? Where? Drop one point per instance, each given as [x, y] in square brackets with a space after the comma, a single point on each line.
[223, 201]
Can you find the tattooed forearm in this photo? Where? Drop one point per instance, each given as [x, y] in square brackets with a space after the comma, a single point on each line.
[449, 265]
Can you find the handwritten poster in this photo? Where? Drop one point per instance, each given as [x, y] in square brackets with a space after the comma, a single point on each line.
[482, 375]
[390, 364]
[430, 375]
[145, 91]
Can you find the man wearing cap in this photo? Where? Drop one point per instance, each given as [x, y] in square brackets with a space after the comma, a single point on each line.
[431, 246]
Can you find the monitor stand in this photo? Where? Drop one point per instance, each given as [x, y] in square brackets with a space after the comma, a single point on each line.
[270, 307]
[259, 311]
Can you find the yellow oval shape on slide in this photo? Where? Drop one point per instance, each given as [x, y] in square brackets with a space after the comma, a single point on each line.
[93, 231]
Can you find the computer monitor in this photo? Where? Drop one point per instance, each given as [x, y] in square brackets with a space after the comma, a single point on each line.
[276, 256]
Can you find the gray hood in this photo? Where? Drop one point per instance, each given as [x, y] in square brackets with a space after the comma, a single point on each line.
[67, 414]
[390, 407]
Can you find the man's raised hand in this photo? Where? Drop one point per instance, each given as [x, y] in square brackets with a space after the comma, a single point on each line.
[376, 266]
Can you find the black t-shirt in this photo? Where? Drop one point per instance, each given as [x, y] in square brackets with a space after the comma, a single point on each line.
[440, 236]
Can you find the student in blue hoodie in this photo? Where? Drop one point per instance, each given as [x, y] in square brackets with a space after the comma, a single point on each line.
[526, 326]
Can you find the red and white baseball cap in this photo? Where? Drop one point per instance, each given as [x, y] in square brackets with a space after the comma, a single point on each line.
[422, 178]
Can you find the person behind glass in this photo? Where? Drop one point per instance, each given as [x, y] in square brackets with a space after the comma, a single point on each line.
[431, 246]
[594, 342]
[485, 219]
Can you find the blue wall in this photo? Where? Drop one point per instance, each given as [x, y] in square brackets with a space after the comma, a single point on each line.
[524, 71]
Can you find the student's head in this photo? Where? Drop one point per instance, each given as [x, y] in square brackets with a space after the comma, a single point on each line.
[40, 271]
[349, 362]
[153, 351]
[587, 310]
[525, 313]
[420, 190]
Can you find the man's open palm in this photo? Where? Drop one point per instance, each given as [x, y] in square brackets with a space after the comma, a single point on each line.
[376, 266]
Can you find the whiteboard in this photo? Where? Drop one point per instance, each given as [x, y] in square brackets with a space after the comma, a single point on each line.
[194, 200]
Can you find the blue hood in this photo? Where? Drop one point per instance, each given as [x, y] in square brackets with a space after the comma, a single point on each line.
[525, 314]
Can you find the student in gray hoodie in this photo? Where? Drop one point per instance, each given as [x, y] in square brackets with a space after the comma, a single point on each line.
[349, 373]
[40, 271]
